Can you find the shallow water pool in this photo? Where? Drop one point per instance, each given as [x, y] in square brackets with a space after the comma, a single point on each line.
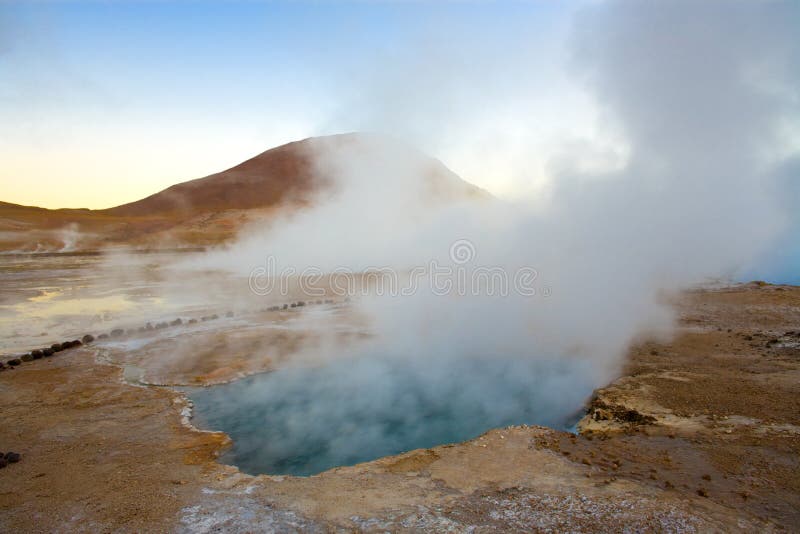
[302, 421]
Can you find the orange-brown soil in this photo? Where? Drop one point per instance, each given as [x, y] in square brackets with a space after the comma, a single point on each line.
[699, 434]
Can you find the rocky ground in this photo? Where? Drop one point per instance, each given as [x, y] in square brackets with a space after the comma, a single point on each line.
[701, 434]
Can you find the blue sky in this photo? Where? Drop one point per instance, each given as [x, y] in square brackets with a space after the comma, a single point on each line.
[105, 102]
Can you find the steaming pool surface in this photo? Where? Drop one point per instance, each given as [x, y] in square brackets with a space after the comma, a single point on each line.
[302, 421]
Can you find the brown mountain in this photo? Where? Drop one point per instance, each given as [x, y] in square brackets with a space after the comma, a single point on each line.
[211, 209]
[262, 181]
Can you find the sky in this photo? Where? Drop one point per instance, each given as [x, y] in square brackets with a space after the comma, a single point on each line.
[105, 102]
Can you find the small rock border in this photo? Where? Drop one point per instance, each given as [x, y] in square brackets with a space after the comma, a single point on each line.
[56, 348]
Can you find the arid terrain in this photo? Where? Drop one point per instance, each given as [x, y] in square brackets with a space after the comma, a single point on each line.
[699, 434]
[210, 210]
[400, 266]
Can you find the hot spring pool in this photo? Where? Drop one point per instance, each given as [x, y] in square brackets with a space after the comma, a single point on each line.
[302, 421]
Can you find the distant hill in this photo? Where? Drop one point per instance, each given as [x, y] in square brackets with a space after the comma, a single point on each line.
[262, 181]
[210, 210]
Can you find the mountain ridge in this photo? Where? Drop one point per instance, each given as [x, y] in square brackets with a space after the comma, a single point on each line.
[210, 209]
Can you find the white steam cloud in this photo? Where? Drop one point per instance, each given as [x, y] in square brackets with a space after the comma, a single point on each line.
[704, 97]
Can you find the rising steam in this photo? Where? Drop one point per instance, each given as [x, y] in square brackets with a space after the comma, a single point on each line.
[704, 100]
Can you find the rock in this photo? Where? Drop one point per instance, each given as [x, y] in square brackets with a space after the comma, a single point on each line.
[633, 416]
[702, 492]
[77, 343]
[56, 347]
[117, 332]
[285, 306]
[88, 338]
[293, 304]
[161, 325]
[148, 326]
[102, 336]
[214, 317]
[602, 415]
[600, 411]
[319, 302]
[37, 354]
[176, 322]
[27, 358]
[192, 321]
[229, 314]
[3, 463]
[301, 303]
[2, 366]
[12, 457]
[47, 352]
[14, 362]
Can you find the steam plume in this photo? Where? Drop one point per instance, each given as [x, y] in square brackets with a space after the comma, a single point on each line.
[703, 97]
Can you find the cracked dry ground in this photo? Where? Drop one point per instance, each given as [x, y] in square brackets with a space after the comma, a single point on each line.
[699, 434]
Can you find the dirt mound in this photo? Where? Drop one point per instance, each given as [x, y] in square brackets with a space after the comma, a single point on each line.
[209, 210]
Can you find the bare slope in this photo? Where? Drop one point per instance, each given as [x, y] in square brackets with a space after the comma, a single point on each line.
[207, 210]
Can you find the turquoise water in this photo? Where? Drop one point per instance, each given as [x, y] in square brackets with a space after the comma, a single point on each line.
[302, 421]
